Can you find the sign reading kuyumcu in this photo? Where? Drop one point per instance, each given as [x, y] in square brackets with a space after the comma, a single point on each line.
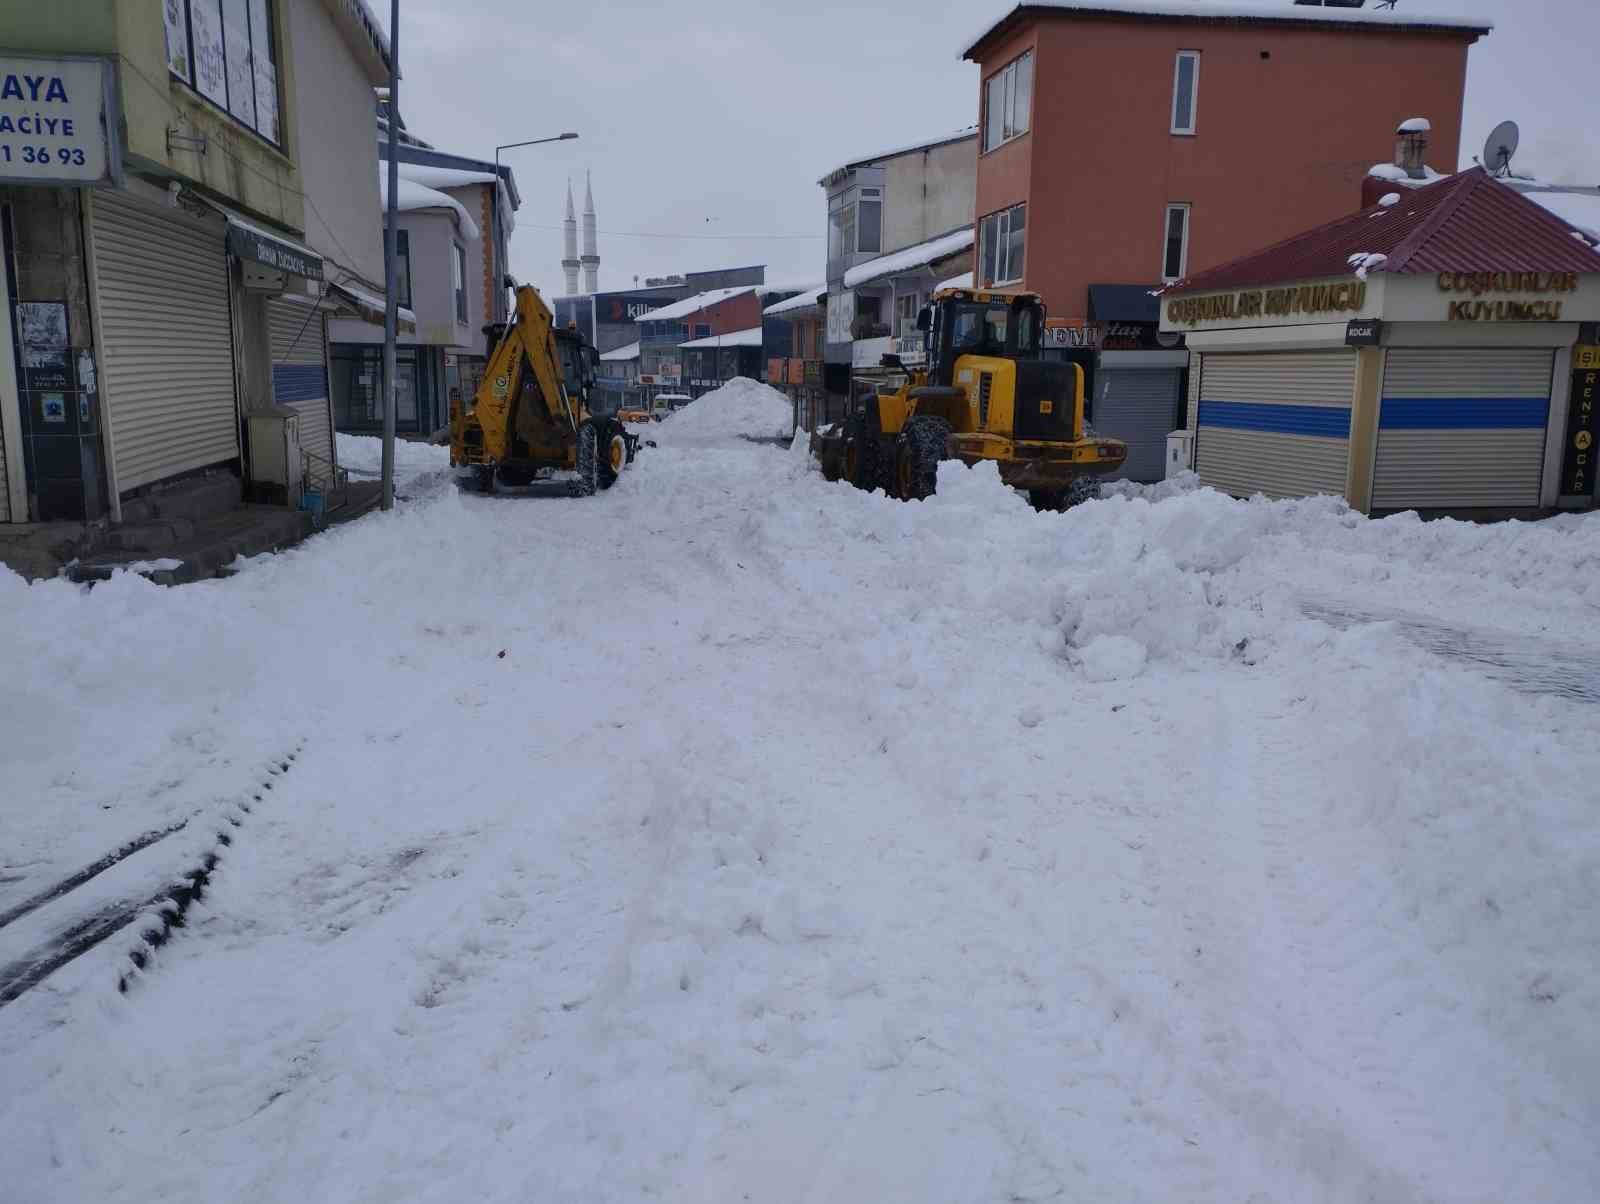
[53, 120]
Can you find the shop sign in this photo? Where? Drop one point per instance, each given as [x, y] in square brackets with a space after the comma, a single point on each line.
[1583, 424]
[1268, 303]
[1111, 336]
[1534, 283]
[1363, 332]
[53, 127]
[255, 245]
[704, 382]
[841, 313]
[1086, 334]
[618, 308]
[911, 348]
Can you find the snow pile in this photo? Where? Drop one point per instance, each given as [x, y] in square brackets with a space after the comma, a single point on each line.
[1415, 125]
[741, 409]
[417, 465]
[1389, 199]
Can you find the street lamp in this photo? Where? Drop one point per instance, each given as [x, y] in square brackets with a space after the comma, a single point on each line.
[500, 280]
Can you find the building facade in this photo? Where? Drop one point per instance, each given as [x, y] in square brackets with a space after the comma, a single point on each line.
[1435, 352]
[795, 331]
[898, 222]
[455, 217]
[188, 207]
[1136, 146]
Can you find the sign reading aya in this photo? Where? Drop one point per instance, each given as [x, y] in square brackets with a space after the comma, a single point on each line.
[53, 120]
[1583, 424]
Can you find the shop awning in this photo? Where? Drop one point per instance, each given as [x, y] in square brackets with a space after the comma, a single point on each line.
[255, 244]
[371, 306]
[1124, 303]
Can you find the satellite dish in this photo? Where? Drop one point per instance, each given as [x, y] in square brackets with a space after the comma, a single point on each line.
[1500, 146]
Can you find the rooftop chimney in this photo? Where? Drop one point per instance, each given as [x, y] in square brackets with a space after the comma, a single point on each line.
[1411, 146]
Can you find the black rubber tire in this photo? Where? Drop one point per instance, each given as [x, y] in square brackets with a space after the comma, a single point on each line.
[1084, 489]
[920, 448]
[1047, 499]
[864, 437]
[588, 460]
[609, 436]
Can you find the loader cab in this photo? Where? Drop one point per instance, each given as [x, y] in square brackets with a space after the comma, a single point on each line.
[977, 322]
[578, 361]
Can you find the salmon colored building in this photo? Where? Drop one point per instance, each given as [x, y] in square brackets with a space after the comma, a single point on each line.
[1124, 143]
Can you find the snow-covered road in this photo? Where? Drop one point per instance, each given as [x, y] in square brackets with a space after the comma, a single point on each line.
[738, 836]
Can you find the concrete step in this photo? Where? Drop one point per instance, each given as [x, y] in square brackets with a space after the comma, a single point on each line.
[209, 551]
[195, 499]
[150, 537]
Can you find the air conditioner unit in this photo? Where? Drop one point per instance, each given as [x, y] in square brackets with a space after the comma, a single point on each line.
[277, 468]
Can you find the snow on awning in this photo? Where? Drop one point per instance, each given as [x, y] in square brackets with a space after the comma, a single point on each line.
[734, 338]
[629, 352]
[962, 281]
[809, 299]
[371, 306]
[412, 196]
[905, 260]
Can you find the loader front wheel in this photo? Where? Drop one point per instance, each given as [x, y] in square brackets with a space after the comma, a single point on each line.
[615, 458]
[917, 454]
[588, 461]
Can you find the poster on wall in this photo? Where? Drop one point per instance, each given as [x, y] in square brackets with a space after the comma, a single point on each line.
[42, 326]
[241, 72]
[210, 78]
[177, 19]
[841, 313]
[266, 74]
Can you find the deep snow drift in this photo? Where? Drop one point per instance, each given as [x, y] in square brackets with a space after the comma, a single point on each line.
[742, 409]
[734, 835]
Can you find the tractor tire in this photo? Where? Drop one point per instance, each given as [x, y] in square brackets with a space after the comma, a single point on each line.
[612, 444]
[861, 451]
[1084, 489]
[917, 454]
[1047, 500]
[588, 461]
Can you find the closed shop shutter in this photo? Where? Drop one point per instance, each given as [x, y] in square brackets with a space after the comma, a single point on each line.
[1276, 422]
[1462, 428]
[1138, 406]
[5, 481]
[300, 377]
[166, 352]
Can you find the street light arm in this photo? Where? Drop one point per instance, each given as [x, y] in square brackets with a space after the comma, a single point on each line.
[534, 142]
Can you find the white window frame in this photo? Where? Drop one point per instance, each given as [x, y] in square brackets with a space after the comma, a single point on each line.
[1194, 93]
[1185, 208]
[874, 195]
[458, 299]
[179, 28]
[1007, 75]
[1002, 248]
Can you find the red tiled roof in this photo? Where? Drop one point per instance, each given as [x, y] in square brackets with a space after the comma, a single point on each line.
[1467, 223]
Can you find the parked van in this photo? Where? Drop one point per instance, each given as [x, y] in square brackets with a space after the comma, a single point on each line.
[668, 403]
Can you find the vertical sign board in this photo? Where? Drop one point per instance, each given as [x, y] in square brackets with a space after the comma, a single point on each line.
[55, 118]
[1583, 424]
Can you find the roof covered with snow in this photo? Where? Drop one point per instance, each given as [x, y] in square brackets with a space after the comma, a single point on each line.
[1578, 207]
[629, 351]
[807, 299]
[894, 152]
[1467, 223]
[962, 281]
[734, 338]
[413, 196]
[694, 304]
[1237, 11]
[904, 260]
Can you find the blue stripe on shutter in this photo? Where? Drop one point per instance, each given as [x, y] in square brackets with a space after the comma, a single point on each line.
[1329, 422]
[299, 382]
[1462, 413]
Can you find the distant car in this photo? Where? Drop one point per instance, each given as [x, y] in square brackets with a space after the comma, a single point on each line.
[668, 403]
[635, 414]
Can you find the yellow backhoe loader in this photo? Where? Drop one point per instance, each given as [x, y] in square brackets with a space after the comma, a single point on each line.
[984, 393]
[530, 426]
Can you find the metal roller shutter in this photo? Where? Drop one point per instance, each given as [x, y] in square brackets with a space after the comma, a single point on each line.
[5, 481]
[1462, 428]
[300, 376]
[166, 349]
[1139, 406]
[1276, 423]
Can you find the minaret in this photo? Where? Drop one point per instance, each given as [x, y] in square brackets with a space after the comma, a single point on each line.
[591, 252]
[569, 245]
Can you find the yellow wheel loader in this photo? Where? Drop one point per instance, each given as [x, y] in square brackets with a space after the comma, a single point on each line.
[529, 428]
[984, 393]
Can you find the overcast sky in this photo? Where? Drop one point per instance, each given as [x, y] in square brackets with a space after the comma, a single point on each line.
[710, 124]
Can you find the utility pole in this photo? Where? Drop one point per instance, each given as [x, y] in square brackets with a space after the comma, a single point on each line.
[391, 309]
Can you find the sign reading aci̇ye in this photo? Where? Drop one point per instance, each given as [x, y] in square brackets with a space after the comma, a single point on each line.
[53, 120]
[1269, 302]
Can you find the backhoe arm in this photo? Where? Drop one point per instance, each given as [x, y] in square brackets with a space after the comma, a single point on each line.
[528, 345]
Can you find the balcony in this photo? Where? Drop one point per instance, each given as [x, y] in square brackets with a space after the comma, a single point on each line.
[869, 353]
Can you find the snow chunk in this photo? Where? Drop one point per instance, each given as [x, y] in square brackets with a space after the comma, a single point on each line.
[1388, 199]
[742, 408]
[1415, 125]
[412, 195]
[1112, 658]
[1388, 171]
[1365, 261]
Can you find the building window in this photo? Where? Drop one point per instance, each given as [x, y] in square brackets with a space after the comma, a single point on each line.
[905, 312]
[1000, 237]
[402, 266]
[702, 330]
[1185, 91]
[1007, 102]
[869, 221]
[458, 280]
[1175, 247]
[223, 50]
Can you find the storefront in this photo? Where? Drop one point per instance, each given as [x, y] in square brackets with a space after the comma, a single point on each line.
[1433, 354]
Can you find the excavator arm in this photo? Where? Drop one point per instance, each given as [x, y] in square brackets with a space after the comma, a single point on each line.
[523, 371]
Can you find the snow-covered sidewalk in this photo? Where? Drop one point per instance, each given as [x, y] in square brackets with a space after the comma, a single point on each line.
[734, 835]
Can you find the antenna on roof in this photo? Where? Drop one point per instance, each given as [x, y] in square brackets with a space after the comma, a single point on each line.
[1499, 147]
